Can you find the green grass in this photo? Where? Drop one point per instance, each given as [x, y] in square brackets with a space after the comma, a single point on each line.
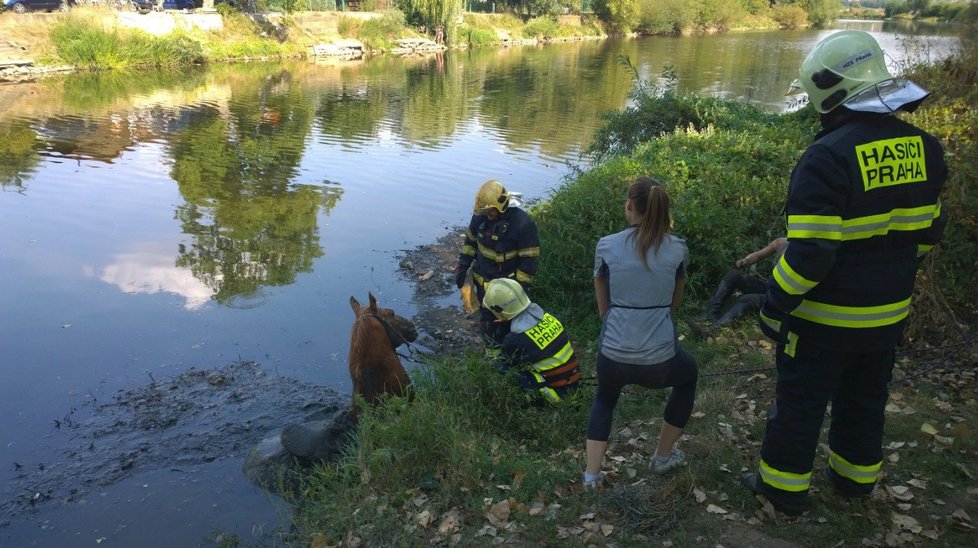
[84, 43]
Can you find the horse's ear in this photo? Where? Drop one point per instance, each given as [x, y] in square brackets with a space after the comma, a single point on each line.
[373, 301]
[355, 305]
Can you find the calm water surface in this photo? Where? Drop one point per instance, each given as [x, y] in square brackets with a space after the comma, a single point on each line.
[158, 222]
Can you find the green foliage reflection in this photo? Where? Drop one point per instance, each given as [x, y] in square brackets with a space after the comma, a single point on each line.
[250, 225]
[18, 157]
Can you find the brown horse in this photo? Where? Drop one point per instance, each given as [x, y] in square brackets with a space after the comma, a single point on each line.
[374, 367]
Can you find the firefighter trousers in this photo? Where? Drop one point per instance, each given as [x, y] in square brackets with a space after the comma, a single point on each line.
[809, 377]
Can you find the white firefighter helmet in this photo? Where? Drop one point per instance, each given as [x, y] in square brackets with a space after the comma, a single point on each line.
[848, 69]
[505, 298]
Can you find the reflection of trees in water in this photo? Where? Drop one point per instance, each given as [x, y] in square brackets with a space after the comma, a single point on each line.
[18, 154]
[530, 95]
[250, 226]
[536, 96]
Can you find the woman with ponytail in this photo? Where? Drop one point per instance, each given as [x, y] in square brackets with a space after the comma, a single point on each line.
[639, 275]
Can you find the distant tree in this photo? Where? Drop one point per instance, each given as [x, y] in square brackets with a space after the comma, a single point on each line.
[756, 7]
[527, 9]
[619, 15]
[434, 13]
[821, 13]
[918, 6]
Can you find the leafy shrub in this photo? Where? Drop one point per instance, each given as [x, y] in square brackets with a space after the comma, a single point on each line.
[378, 33]
[790, 16]
[619, 15]
[85, 43]
[718, 14]
[482, 38]
[544, 27]
[665, 16]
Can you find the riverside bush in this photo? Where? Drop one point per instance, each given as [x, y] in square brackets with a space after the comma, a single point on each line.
[481, 38]
[376, 34]
[541, 27]
[85, 43]
[665, 16]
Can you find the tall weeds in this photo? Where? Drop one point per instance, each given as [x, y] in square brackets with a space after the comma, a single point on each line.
[84, 43]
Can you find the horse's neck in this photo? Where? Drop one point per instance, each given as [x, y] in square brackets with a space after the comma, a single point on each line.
[369, 345]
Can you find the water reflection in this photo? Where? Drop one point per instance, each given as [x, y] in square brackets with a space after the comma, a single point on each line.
[18, 153]
[249, 225]
[150, 270]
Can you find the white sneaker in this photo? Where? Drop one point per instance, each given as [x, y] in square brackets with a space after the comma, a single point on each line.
[675, 460]
[591, 485]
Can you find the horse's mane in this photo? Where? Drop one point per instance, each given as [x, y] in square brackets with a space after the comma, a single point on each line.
[363, 330]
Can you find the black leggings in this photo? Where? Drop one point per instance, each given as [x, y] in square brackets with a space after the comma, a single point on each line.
[679, 372]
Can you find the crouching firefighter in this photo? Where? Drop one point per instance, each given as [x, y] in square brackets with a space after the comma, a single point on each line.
[536, 349]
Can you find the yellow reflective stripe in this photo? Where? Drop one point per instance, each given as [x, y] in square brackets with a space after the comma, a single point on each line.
[529, 252]
[523, 277]
[493, 255]
[479, 279]
[790, 281]
[852, 316]
[560, 358]
[785, 481]
[828, 227]
[855, 472]
[773, 324]
[922, 249]
[468, 250]
[792, 345]
[832, 227]
[903, 219]
[548, 393]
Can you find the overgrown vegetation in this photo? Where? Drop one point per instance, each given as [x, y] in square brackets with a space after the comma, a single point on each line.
[467, 463]
[376, 34]
[85, 43]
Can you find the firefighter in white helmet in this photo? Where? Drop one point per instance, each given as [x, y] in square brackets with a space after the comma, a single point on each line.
[536, 349]
[500, 242]
[863, 207]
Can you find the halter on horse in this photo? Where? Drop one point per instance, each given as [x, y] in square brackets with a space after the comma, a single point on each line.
[374, 367]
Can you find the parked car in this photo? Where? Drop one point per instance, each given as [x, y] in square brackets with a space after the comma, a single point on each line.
[24, 6]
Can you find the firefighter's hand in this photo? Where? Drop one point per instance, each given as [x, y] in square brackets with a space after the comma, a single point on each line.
[460, 272]
[773, 323]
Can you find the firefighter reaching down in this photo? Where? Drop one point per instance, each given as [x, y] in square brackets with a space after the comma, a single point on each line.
[536, 349]
[500, 242]
[863, 206]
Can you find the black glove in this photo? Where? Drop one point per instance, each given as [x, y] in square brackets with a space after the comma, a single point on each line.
[460, 271]
[773, 323]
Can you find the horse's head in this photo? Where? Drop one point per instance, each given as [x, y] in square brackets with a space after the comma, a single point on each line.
[399, 329]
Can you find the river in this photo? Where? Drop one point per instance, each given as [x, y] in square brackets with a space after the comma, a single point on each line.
[155, 223]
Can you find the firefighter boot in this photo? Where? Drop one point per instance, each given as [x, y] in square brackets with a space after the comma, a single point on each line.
[792, 504]
[847, 488]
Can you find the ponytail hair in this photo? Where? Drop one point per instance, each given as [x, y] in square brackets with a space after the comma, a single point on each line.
[651, 203]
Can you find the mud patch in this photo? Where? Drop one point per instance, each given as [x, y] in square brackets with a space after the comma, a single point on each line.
[430, 268]
[197, 417]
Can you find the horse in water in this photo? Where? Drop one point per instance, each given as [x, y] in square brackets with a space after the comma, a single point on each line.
[374, 366]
